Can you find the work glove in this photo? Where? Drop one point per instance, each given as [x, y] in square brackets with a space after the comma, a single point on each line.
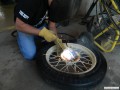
[47, 35]
[59, 45]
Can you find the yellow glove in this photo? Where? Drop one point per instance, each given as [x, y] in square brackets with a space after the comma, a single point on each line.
[47, 35]
[59, 43]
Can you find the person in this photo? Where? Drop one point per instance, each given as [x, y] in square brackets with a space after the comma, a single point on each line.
[29, 16]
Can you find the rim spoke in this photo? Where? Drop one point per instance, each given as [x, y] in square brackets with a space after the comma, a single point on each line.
[57, 63]
[63, 67]
[83, 64]
[78, 67]
[67, 69]
[54, 62]
[51, 55]
[82, 52]
[74, 68]
[85, 58]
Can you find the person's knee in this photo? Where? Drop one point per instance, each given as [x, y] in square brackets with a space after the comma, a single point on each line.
[26, 45]
[30, 56]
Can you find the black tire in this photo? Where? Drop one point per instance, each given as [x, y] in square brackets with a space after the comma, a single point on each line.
[70, 81]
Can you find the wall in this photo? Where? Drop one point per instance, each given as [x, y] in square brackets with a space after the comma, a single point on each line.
[80, 7]
[85, 4]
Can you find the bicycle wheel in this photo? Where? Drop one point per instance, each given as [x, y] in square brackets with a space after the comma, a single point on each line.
[70, 75]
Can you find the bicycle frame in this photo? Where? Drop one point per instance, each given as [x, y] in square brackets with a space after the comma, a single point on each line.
[114, 43]
[115, 6]
[117, 32]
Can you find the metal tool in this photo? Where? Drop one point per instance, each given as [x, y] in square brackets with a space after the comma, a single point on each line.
[66, 53]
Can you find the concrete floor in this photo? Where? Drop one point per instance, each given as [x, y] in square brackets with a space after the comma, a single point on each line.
[18, 74]
[6, 17]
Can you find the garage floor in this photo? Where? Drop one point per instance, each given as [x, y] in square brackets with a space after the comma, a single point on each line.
[18, 74]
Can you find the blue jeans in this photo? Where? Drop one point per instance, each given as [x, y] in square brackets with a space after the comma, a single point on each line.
[26, 43]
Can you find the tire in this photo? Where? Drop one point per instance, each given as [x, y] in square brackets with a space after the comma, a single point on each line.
[71, 81]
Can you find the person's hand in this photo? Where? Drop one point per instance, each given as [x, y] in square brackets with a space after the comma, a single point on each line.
[47, 35]
[54, 30]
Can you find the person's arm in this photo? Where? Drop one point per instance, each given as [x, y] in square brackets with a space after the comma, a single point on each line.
[49, 2]
[44, 32]
[26, 28]
[52, 26]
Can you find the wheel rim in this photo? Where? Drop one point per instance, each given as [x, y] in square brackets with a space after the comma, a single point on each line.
[86, 63]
